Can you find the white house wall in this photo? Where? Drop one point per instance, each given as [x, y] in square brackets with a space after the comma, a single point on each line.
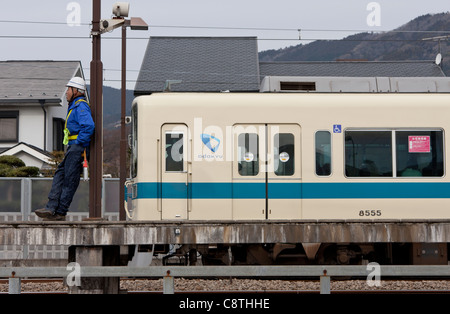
[29, 160]
[31, 126]
[59, 112]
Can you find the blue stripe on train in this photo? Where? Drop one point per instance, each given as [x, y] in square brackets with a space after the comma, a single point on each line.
[222, 190]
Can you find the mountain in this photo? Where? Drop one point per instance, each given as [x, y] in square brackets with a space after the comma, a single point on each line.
[112, 106]
[402, 44]
[111, 127]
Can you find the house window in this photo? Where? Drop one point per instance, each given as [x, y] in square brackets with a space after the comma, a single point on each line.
[58, 134]
[9, 126]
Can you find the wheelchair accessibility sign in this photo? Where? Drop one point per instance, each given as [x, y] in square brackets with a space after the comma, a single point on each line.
[337, 128]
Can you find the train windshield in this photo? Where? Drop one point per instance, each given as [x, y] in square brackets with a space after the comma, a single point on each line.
[134, 148]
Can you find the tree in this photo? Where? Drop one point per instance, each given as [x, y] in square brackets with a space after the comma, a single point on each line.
[11, 166]
[55, 160]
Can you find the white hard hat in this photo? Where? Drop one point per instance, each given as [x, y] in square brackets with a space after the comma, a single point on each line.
[77, 82]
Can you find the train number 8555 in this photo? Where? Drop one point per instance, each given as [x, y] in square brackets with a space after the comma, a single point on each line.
[370, 212]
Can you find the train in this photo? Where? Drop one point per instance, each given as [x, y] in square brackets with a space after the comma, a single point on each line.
[271, 157]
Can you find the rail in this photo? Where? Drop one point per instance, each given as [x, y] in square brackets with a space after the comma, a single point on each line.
[372, 272]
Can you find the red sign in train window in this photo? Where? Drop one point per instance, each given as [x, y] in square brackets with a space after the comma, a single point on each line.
[419, 144]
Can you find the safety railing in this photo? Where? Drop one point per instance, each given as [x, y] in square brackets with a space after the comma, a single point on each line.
[19, 197]
[373, 272]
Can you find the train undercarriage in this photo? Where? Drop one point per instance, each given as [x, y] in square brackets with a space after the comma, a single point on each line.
[301, 254]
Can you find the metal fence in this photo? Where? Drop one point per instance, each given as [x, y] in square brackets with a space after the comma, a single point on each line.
[19, 197]
[168, 273]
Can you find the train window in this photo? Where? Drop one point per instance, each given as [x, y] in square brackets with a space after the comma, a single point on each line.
[174, 151]
[248, 154]
[368, 153]
[419, 153]
[323, 153]
[284, 154]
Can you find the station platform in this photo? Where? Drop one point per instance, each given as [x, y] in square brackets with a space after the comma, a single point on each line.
[93, 233]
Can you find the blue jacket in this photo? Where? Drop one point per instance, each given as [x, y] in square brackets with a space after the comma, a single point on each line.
[80, 122]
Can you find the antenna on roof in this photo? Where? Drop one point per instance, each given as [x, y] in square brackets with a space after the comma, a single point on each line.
[168, 84]
[438, 59]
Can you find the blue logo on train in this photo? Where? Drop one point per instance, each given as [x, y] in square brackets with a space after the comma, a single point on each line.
[211, 142]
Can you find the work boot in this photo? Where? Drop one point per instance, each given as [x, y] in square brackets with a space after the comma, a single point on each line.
[55, 217]
[44, 212]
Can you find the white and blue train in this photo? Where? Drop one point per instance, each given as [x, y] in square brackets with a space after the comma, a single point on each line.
[275, 157]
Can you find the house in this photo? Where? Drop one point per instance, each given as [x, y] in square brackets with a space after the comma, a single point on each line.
[353, 76]
[199, 64]
[214, 64]
[348, 68]
[33, 108]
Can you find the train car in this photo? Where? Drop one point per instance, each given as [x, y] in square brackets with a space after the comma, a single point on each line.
[302, 156]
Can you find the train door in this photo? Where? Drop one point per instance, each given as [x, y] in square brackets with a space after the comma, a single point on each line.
[174, 176]
[266, 172]
[249, 167]
[284, 172]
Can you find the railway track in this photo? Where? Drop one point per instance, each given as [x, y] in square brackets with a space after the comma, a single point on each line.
[247, 286]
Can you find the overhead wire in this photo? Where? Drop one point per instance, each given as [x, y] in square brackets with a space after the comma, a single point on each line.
[241, 28]
[296, 39]
[231, 38]
[226, 28]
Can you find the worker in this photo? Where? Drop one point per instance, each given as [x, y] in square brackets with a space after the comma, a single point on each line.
[79, 127]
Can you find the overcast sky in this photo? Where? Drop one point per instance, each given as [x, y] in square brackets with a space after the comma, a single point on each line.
[274, 22]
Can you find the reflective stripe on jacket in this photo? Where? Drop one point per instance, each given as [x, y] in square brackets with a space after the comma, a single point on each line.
[79, 122]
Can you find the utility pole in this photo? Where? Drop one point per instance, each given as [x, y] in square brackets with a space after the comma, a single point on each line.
[121, 10]
[123, 139]
[99, 26]
[96, 148]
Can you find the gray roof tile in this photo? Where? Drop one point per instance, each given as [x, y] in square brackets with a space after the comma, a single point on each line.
[206, 64]
[34, 80]
[352, 69]
[211, 64]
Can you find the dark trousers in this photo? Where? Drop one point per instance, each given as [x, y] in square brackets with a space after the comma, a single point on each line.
[66, 180]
